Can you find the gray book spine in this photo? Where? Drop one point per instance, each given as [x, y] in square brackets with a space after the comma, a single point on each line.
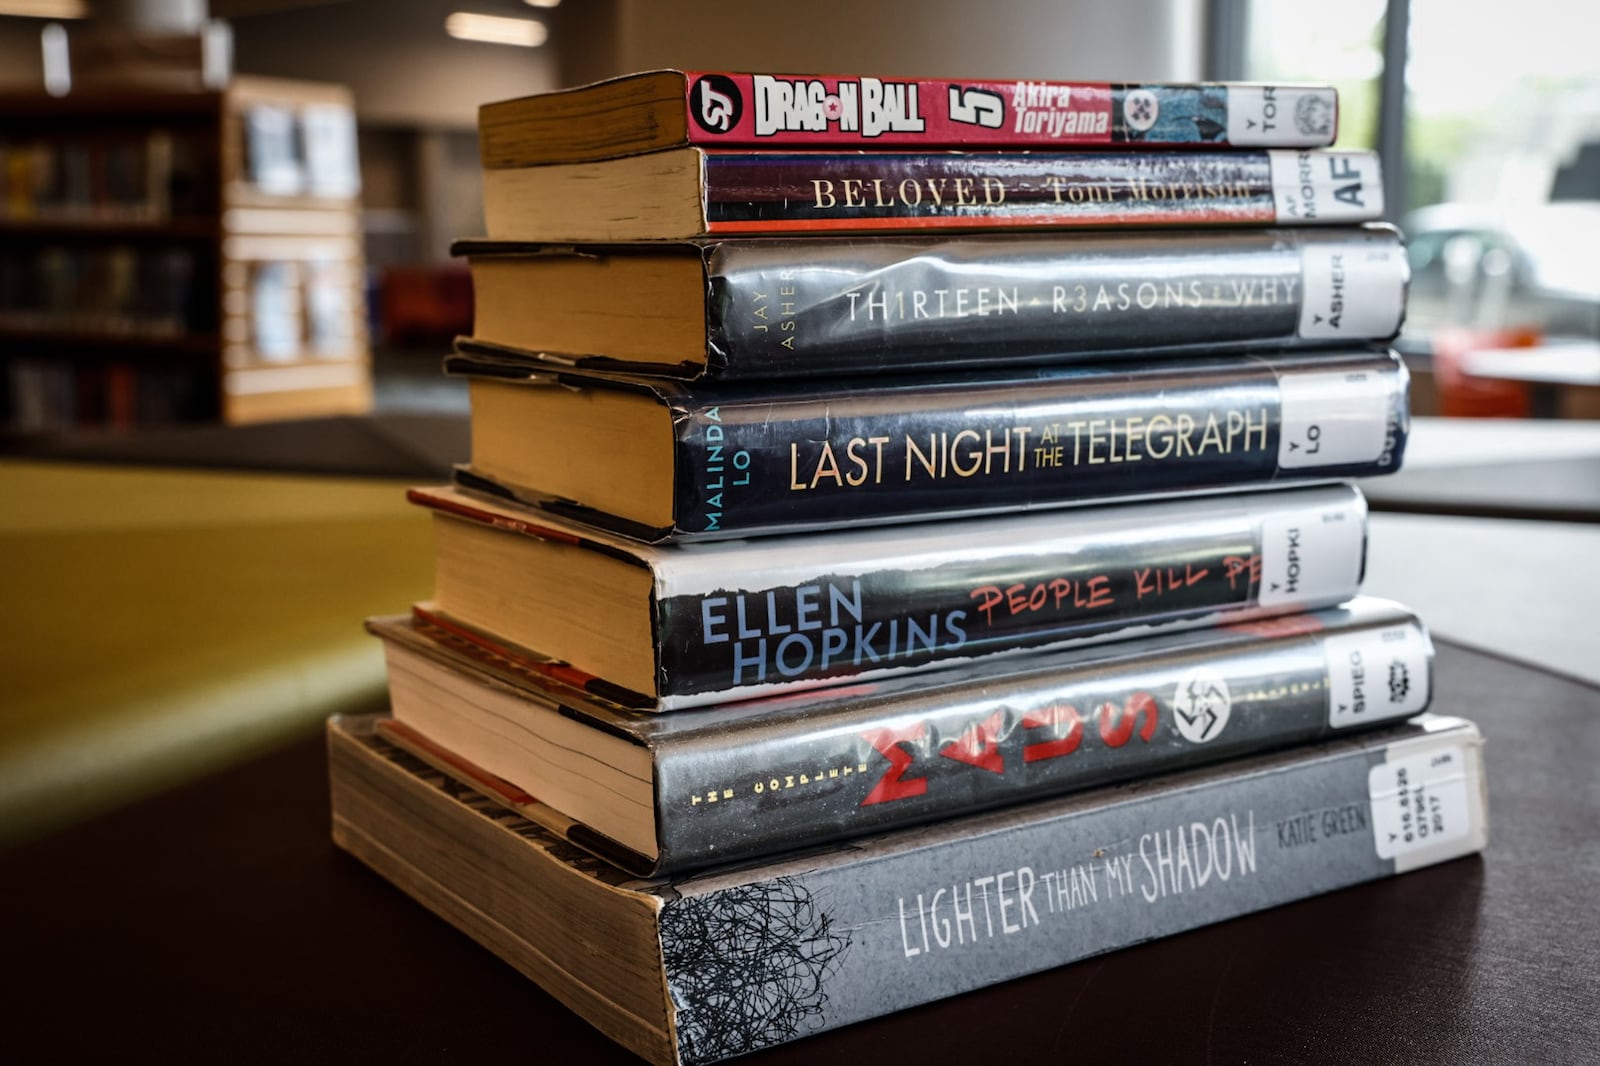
[756, 786]
[779, 307]
[811, 944]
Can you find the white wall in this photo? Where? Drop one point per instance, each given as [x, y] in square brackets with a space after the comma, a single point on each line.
[395, 57]
[1127, 40]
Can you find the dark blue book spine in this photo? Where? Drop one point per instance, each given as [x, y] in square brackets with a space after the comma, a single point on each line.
[758, 459]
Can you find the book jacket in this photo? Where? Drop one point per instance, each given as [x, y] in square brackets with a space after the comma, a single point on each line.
[739, 619]
[756, 956]
[788, 307]
[780, 457]
[758, 777]
[752, 192]
[695, 192]
[821, 111]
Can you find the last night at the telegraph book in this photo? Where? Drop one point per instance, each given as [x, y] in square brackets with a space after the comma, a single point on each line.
[663, 459]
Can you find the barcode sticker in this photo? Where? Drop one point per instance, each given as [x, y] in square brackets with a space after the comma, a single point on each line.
[1313, 557]
[1376, 675]
[1333, 419]
[1419, 801]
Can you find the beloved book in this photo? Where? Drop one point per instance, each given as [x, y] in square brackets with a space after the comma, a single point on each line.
[703, 968]
[672, 108]
[673, 792]
[660, 459]
[805, 306]
[684, 193]
[680, 625]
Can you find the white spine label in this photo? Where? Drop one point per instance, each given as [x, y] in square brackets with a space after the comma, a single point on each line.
[1333, 418]
[1353, 292]
[1280, 115]
[1312, 557]
[1419, 801]
[1376, 675]
[1312, 186]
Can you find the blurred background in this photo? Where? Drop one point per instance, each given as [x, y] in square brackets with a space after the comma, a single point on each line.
[225, 288]
[1489, 125]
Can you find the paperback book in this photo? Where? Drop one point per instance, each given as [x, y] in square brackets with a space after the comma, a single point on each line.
[663, 459]
[703, 968]
[658, 793]
[811, 306]
[681, 625]
[686, 193]
[671, 108]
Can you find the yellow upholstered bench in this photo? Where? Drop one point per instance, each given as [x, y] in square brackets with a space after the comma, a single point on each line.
[155, 624]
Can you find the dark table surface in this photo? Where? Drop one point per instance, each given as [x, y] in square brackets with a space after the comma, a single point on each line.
[217, 923]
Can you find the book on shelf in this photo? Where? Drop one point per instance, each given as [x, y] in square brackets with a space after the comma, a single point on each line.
[328, 147]
[685, 193]
[672, 792]
[277, 324]
[108, 179]
[44, 395]
[680, 625]
[671, 108]
[701, 968]
[273, 150]
[111, 290]
[805, 306]
[660, 459]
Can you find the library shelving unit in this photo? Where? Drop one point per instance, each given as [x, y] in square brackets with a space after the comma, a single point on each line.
[180, 257]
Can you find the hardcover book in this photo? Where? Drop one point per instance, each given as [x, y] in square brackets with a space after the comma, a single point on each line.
[670, 108]
[808, 306]
[684, 193]
[672, 792]
[671, 460]
[682, 625]
[703, 968]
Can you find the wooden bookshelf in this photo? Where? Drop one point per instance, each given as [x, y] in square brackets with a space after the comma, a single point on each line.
[181, 257]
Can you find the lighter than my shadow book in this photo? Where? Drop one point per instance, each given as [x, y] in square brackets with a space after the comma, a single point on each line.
[706, 968]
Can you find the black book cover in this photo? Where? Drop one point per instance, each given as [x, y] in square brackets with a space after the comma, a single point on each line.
[770, 457]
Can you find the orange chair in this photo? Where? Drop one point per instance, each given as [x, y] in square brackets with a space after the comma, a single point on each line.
[1460, 395]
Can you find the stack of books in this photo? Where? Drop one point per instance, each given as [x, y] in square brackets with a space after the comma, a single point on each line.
[865, 588]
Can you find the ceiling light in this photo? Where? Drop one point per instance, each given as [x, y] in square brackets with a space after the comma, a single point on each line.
[494, 29]
[542, 3]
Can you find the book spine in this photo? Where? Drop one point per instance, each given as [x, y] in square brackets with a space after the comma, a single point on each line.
[774, 192]
[823, 945]
[759, 460]
[808, 779]
[798, 112]
[782, 308]
[782, 622]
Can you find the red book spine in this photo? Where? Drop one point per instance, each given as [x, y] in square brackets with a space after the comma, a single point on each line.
[750, 110]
